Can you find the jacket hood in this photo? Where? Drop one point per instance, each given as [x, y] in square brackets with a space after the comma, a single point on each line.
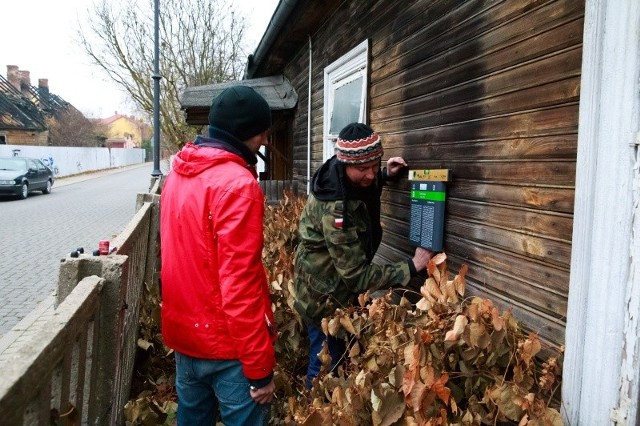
[327, 182]
[194, 159]
[330, 183]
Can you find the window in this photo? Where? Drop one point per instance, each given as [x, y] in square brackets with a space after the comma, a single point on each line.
[345, 94]
[3, 139]
[40, 165]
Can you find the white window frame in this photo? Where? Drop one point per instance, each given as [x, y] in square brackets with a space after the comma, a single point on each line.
[347, 68]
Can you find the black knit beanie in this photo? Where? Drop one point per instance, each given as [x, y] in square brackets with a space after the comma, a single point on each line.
[240, 111]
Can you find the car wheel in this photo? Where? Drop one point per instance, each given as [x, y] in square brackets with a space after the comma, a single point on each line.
[24, 191]
[47, 189]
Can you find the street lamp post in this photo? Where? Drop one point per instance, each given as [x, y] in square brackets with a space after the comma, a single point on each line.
[156, 92]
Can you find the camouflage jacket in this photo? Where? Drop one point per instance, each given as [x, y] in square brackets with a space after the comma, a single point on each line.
[331, 263]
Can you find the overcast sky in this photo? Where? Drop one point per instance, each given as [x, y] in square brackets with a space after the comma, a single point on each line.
[38, 36]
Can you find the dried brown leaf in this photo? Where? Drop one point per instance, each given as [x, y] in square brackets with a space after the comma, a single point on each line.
[478, 334]
[457, 330]
[363, 298]
[391, 408]
[443, 392]
[354, 351]
[459, 280]
[506, 400]
[433, 270]
[497, 321]
[473, 312]
[450, 290]
[423, 304]
[530, 348]
[325, 326]
[324, 356]
[345, 321]
[432, 289]
[334, 326]
[338, 397]
[439, 258]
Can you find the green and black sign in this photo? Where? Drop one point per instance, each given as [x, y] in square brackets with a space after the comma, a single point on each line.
[426, 225]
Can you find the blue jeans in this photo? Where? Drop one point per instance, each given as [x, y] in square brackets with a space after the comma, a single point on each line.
[336, 347]
[206, 385]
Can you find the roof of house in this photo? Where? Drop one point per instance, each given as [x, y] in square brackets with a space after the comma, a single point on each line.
[110, 120]
[51, 103]
[18, 112]
[28, 108]
[292, 23]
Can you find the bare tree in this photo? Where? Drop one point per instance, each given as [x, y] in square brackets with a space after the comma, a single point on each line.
[69, 127]
[201, 42]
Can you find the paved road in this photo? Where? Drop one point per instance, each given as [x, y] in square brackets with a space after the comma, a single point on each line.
[39, 231]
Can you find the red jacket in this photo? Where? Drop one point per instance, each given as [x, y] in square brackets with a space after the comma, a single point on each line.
[215, 297]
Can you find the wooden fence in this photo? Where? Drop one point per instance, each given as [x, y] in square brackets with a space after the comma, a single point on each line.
[274, 189]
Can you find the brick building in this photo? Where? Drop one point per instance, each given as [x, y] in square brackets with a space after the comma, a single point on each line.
[25, 109]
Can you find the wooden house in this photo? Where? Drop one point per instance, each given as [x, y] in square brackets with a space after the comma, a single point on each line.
[495, 92]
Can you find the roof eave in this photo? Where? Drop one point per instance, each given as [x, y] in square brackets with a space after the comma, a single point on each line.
[277, 91]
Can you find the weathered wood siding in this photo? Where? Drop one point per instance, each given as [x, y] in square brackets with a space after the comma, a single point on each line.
[488, 89]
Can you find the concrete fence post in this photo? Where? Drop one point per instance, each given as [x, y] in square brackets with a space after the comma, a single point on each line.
[111, 268]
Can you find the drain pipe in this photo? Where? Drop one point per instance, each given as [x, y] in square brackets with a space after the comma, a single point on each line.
[309, 125]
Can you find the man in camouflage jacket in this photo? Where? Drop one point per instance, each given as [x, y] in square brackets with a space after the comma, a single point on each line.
[340, 233]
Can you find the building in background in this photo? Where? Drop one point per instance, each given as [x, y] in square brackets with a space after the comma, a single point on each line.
[32, 115]
[125, 131]
[22, 121]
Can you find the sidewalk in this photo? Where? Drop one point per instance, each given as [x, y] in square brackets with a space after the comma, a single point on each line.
[80, 177]
[24, 331]
[26, 328]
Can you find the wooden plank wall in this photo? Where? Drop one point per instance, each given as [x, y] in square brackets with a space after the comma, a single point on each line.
[490, 90]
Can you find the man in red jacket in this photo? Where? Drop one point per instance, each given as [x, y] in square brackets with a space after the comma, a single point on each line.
[216, 309]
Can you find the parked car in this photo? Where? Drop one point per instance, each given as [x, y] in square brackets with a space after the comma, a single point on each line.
[20, 175]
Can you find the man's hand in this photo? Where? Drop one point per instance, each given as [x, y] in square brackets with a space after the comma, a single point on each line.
[394, 165]
[263, 395]
[421, 258]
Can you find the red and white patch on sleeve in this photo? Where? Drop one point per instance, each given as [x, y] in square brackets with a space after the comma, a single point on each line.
[338, 222]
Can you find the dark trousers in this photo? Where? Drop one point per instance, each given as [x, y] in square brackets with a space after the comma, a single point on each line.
[336, 348]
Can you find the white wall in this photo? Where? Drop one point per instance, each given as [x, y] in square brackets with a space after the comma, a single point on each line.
[66, 161]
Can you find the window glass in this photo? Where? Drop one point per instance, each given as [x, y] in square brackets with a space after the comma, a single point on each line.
[345, 94]
[12, 164]
[346, 105]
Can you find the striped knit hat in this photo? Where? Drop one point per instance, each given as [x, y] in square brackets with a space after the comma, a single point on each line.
[358, 143]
